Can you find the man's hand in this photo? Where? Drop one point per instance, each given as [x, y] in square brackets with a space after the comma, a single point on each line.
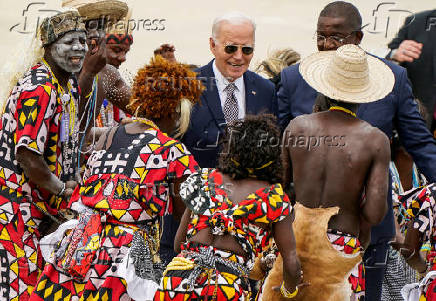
[95, 58]
[69, 189]
[408, 51]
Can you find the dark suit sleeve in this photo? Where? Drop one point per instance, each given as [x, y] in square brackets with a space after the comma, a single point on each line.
[284, 101]
[401, 35]
[274, 107]
[412, 130]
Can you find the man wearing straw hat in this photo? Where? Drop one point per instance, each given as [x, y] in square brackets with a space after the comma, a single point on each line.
[38, 151]
[340, 23]
[339, 150]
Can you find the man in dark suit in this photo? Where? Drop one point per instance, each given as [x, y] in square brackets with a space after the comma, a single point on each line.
[232, 44]
[231, 93]
[340, 23]
[414, 48]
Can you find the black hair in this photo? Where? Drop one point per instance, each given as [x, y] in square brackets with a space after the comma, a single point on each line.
[345, 10]
[251, 148]
[322, 103]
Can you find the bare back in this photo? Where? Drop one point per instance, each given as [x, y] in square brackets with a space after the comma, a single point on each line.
[336, 160]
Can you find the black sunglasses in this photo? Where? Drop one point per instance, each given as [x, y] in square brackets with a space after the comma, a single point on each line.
[247, 50]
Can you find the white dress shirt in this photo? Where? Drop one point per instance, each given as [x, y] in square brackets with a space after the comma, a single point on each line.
[222, 83]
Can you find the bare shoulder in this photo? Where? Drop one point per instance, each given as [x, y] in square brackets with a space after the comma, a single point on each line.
[299, 123]
[110, 72]
[377, 139]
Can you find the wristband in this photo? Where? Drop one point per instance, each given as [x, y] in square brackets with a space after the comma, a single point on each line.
[61, 192]
[285, 293]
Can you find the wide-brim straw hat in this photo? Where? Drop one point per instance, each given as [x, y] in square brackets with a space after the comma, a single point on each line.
[96, 9]
[348, 74]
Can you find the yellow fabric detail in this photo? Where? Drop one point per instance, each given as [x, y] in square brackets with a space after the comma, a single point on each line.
[103, 204]
[30, 102]
[3, 216]
[5, 235]
[41, 285]
[33, 145]
[34, 114]
[14, 267]
[118, 213]
[144, 174]
[153, 207]
[48, 291]
[180, 147]
[52, 159]
[33, 257]
[153, 146]
[22, 119]
[229, 291]
[58, 295]
[119, 189]
[79, 286]
[20, 252]
[97, 187]
[184, 160]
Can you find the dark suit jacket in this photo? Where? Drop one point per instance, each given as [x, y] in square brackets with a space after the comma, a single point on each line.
[207, 118]
[398, 109]
[421, 28]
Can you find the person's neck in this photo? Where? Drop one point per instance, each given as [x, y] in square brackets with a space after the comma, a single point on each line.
[349, 106]
[164, 124]
[61, 75]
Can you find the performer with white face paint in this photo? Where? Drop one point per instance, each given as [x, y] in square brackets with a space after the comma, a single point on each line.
[38, 151]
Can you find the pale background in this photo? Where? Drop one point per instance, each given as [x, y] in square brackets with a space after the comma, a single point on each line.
[280, 23]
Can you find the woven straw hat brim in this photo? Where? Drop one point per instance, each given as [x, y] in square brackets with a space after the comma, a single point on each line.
[381, 79]
[113, 9]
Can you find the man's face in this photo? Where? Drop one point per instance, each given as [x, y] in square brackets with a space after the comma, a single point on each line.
[116, 54]
[69, 51]
[334, 32]
[232, 65]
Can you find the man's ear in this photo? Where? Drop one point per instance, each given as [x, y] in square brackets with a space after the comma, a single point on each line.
[212, 45]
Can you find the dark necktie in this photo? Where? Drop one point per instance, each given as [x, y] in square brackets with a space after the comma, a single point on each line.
[231, 108]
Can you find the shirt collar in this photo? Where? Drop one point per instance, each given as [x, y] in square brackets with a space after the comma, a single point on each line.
[222, 82]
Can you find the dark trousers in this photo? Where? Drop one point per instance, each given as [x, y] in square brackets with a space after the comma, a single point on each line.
[374, 259]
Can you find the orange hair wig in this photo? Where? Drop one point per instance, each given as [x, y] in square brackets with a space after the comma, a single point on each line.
[160, 86]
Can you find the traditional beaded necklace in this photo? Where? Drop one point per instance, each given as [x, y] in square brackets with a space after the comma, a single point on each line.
[68, 135]
[338, 108]
[147, 122]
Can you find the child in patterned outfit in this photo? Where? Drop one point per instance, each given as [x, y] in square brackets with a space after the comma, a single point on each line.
[232, 212]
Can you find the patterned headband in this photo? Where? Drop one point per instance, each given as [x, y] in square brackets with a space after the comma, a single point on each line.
[114, 38]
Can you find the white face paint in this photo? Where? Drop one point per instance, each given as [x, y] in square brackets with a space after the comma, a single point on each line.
[69, 51]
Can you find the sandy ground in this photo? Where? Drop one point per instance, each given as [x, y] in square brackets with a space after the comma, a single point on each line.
[187, 25]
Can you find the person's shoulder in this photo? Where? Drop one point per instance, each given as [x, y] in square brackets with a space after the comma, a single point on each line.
[374, 135]
[259, 80]
[301, 122]
[293, 69]
[36, 76]
[204, 69]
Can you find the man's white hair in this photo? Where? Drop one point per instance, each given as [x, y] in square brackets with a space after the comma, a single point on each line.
[234, 18]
